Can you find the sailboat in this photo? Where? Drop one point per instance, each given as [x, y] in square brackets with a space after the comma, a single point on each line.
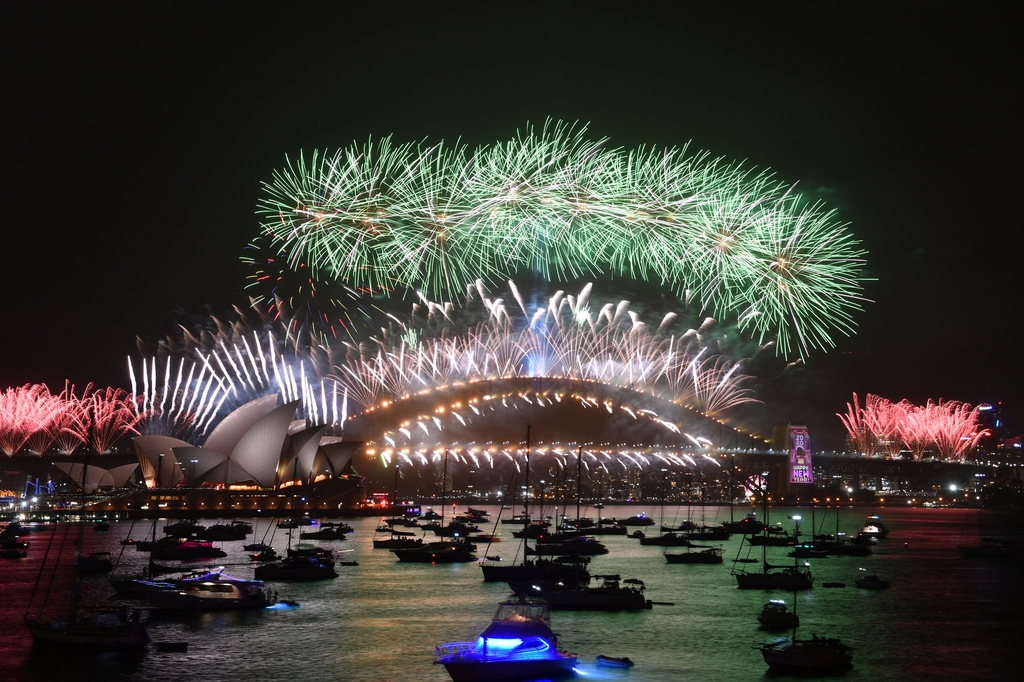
[698, 554]
[774, 577]
[54, 613]
[817, 653]
[445, 552]
[302, 564]
[540, 569]
[610, 594]
[663, 539]
[398, 539]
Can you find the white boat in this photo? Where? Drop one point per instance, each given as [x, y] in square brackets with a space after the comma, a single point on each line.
[213, 591]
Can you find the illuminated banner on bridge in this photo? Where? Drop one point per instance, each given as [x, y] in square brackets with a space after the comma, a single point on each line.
[800, 455]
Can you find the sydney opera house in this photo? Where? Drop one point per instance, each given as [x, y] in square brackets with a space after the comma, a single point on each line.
[257, 461]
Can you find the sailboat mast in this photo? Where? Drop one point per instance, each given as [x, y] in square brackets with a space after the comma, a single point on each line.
[444, 477]
[579, 469]
[526, 493]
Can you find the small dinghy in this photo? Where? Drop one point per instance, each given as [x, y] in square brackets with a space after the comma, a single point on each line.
[171, 647]
[613, 662]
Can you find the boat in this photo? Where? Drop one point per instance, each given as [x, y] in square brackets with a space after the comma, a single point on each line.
[833, 584]
[671, 539]
[777, 578]
[518, 645]
[101, 526]
[807, 550]
[182, 529]
[130, 586]
[397, 542]
[438, 553]
[454, 529]
[296, 522]
[610, 594]
[213, 591]
[224, 532]
[13, 553]
[398, 539]
[566, 545]
[297, 569]
[807, 654]
[478, 515]
[775, 616]
[172, 647]
[181, 549]
[638, 520]
[95, 563]
[614, 662]
[559, 569]
[96, 628]
[454, 551]
[57, 616]
[748, 525]
[520, 519]
[304, 550]
[773, 536]
[872, 582]
[266, 554]
[326, 533]
[873, 528]
[696, 555]
[772, 577]
[607, 527]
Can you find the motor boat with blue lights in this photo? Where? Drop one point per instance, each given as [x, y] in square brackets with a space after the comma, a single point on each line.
[518, 645]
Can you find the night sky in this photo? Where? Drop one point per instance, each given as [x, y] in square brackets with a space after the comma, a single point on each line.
[136, 140]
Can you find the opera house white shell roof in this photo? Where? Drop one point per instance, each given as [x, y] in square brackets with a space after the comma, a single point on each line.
[259, 443]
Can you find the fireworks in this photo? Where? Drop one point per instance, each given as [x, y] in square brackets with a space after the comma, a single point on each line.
[565, 339]
[880, 425]
[438, 217]
[187, 397]
[31, 415]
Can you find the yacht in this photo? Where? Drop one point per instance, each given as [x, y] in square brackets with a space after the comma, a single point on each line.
[873, 528]
[807, 654]
[437, 553]
[517, 645]
[297, 569]
[695, 554]
[775, 616]
[561, 569]
[610, 594]
[213, 591]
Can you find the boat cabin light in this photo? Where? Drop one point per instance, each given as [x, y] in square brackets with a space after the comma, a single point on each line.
[499, 642]
[776, 601]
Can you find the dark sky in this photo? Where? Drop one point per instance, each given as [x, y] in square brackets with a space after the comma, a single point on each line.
[136, 139]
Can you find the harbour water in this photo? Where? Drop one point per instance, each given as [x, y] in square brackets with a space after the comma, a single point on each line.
[944, 618]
